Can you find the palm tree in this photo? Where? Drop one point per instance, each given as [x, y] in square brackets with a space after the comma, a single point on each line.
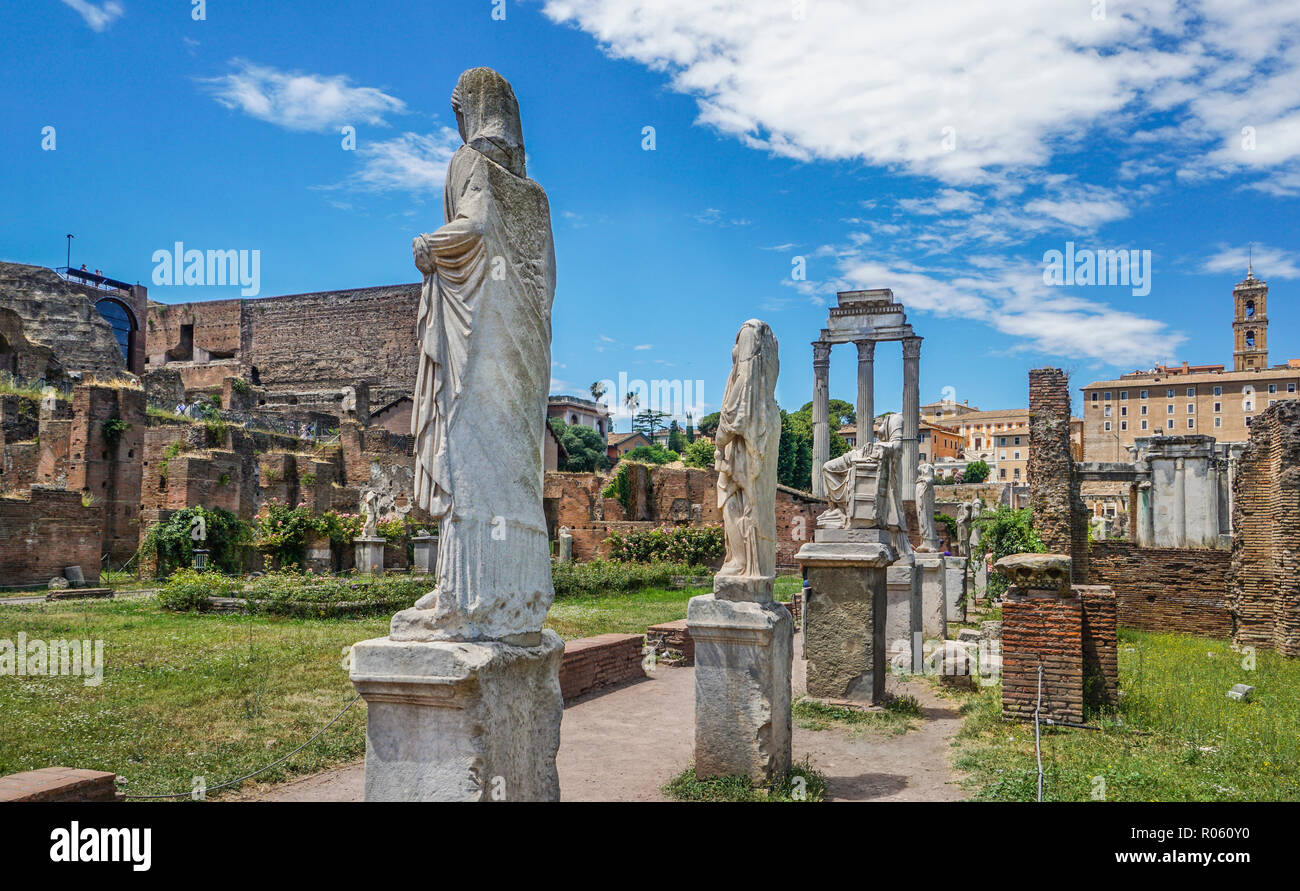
[632, 400]
[597, 390]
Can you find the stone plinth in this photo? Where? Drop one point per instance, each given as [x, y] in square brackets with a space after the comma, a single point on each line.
[1042, 628]
[743, 654]
[458, 721]
[1037, 572]
[370, 555]
[903, 616]
[844, 614]
[425, 553]
[934, 605]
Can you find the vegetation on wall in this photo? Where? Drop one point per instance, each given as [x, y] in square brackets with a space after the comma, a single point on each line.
[651, 454]
[600, 578]
[584, 447]
[1004, 532]
[976, 471]
[693, 545]
[698, 454]
[172, 541]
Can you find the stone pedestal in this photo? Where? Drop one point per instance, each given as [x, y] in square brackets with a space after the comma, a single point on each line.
[743, 654]
[934, 603]
[370, 555]
[458, 721]
[319, 557]
[979, 576]
[903, 629]
[844, 613]
[425, 554]
[954, 587]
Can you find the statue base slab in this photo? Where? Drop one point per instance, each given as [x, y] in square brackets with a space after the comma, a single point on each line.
[743, 657]
[903, 628]
[370, 555]
[844, 612]
[934, 605]
[954, 588]
[459, 721]
[744, 588]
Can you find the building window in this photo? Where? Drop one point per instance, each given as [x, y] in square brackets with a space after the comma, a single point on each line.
[1218, 407]
[1191, 408]
[1123, 394]
[1107, 427]
[1191, 391]
[1272, 388]
[1123, 411]
[1123, 425]
[1144, 425]
[1218, 391]
[1290, 388]
[1247, 420]
[1015, 456]
[1143, 394]
[1191, 422]
[1108, 395]
[1002, 473]
[1144, 409]
[1250, 405]
[1169, 409]
[1015, 474]
[1017, 440]
[1218, 422]
[1170, 424]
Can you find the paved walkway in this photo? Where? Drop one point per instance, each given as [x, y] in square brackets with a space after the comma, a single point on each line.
[624, 744]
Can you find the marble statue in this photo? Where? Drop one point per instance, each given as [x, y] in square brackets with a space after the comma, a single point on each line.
[348, 405]
[976, 533]
[483, 333]
[564, 540]
[370, 511]
[962, 544]
[746, 445]
[925, 508]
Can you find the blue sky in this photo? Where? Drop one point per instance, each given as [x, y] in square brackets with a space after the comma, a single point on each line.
[936, 148]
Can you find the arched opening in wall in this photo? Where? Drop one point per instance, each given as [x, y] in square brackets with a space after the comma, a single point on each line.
[8, 358]
[122, 320]
[1250, 309]
[254, 376]
[1250, 338]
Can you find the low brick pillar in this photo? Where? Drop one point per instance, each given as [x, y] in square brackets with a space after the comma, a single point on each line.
[60, 784]
[591, 663]
[674, 636]
[1100, 645]
[1042, 625]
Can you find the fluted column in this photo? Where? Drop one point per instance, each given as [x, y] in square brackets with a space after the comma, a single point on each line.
[866, 391]
[821, 410]
[911, 412]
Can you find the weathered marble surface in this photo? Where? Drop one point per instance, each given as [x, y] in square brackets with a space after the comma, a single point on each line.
[746, 445]
[925, 508]
[484, 335]
[451, 721]
[1043, 572]
[743, 659]
[934, 603]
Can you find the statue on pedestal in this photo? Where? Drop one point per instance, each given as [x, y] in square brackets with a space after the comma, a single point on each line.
[925, 508]
[865, 487]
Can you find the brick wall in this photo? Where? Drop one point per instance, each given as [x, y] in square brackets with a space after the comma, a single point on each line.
[1264, 578]
[1100, 645]
[1165, 589]
[672, 636]
[63, 784]
[670, 496]
[1060, 516]
[46, 531]
[109, 472]
[1047, 630]
[595, 662]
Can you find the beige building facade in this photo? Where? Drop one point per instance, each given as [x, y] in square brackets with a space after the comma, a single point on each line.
[1202, 399]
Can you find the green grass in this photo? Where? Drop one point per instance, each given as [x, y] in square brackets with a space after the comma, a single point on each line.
[787, 586]
[623, 613]
[802, 783]
[899, 715]
[1175, 737]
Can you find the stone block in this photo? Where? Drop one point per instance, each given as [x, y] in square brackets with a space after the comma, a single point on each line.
[934, 605]
[743, 656]
[903, 616]
[460, 721]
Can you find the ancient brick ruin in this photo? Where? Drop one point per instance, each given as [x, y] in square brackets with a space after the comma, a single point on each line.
[1059, 513]
[1264, 580]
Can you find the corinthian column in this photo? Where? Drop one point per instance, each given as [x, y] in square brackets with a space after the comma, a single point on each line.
[821, 410]
[866, 391]
[911, 411]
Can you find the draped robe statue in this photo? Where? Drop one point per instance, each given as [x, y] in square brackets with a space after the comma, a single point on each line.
[746, 445]
[484, 339]
[925, 508]
[882, 459]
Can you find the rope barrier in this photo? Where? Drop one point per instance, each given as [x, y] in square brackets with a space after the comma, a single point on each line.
[260, 770]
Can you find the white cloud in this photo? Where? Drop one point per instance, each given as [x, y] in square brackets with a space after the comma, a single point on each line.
[413, 162]
[298, 101]
[644, 346]
[97, 16]
[1268, 262]
[1009, 84]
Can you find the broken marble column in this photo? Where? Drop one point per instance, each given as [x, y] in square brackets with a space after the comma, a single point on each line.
[463, 696]
[821, 413]
[934, 603]
[564, 545]
[903, 625]
[744, 639]
[954, 588]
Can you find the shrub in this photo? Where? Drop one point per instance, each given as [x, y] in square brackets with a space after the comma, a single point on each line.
[1005, 532]
[282, 531]
[293, 593]
[977, 471]
[113, 429]
[188, 590]
[651, 454]
[949, 522]
[172, 542]
[599, 577]
[693, 545]
[618, 486]
[698, 454]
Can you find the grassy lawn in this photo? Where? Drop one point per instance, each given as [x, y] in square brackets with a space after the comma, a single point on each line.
[1175, 737]
[218, 696]
[802, 783]
[899, 715]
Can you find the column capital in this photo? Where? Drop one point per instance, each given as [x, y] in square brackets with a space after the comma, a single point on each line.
[866, 350]
[912, 347]
[821, 352]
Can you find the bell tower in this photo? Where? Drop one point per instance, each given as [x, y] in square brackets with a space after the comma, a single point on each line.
[1250, 323]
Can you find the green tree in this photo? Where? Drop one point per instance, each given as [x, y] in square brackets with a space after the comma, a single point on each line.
[676, 438]
[584, 446]
[651, 454]
[977, 471]
[708, 424]
[841, 412]
[700, 454]
[649, 422]
[794, 453]
[1004, 532]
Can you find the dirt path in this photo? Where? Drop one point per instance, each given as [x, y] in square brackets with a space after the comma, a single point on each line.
[624, 744]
